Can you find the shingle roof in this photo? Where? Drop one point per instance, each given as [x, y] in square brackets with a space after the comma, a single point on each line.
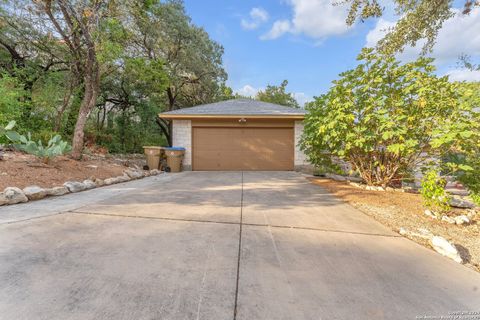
[237, 107]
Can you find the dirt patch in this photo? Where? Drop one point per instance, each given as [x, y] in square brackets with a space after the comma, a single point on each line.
[22, 170]
[405, 210]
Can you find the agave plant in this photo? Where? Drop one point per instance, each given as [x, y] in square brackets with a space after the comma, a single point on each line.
[55, 146]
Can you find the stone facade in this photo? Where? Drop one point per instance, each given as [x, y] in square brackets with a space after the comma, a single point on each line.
[300, 159]
[182, 137]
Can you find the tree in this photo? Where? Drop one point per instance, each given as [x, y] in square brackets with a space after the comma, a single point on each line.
[85, 33]
[381, 117]
[418, 20]
[278, 95]
[193, 61]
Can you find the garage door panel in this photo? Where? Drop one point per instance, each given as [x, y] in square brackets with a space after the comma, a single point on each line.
[242, 148]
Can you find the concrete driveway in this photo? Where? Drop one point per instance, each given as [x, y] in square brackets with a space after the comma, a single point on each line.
[219, 245]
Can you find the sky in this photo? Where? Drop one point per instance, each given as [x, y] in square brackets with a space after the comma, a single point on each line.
[308, 43]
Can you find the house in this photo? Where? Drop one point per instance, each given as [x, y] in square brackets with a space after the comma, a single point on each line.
[240, 134]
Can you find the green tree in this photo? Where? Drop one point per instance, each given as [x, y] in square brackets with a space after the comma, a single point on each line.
[193, 61]
[278, 95]
[381, 117]
[419, 20]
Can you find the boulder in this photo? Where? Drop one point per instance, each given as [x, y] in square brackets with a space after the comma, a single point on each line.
[99, 182]
[89, 184]
[57, 191]
[123, 178]
[134, 174]
[35, 192]
[74, 186]
[154, 172]
[461, 220]
[110, 181]
[461, 203]
[14, 195]
[445, 248]
[448, 219]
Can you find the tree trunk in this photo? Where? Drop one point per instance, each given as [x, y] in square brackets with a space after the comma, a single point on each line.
[92, 84]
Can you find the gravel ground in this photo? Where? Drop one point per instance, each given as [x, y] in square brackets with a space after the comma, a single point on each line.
[405, 210]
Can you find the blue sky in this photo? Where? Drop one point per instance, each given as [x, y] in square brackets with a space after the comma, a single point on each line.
[307, 42]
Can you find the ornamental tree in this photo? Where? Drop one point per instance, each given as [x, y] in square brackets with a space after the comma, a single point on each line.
[380, 117]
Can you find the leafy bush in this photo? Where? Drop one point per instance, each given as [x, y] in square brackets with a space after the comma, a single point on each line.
[55, 146]
[380, 117]
[433, 192]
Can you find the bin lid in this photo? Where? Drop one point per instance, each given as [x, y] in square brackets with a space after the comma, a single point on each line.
[175, 149]
[152, 147]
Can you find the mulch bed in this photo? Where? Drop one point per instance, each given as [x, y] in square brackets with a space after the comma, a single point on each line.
[22, 170]
[405, 210]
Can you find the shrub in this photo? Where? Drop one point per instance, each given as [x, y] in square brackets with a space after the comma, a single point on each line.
[55, 146]
[433, 192]
[380, 117]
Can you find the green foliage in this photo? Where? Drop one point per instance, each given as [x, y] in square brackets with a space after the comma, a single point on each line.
[460, 139]
[278, 95]
[433, 192]
[7, 130]
[55, 146]
[419, 20]
[380, 117]
[11, 92]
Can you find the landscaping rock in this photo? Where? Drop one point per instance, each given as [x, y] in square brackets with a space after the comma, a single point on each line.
[110, 181]
[74, 186]
[461, 203]
[89, 184]
[461, 220]
[448, 219]
[3, 199]
[99, 182]
[134, 174]
[430, 214]
[57, 191]
[124, 178]
[154, 172]
[445, 248]
[35, 192]
[14, 195]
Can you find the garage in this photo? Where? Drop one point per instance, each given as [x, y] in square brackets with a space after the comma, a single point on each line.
[233, 148]
[239, 135]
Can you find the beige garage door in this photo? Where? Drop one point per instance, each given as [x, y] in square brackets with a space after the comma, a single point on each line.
[243, 149]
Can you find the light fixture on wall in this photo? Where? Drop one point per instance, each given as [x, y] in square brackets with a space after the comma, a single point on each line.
[242, 120]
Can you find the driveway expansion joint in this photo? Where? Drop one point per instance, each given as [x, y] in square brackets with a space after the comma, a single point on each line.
[246, 224]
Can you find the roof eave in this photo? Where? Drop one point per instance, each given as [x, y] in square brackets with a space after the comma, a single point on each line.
[231, 116]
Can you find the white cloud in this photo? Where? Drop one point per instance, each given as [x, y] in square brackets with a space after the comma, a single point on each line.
[278, 29]
[257, 17]
[248, 91]
[464, 75]
[316, 19]
[302, 98]
[459, 35]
